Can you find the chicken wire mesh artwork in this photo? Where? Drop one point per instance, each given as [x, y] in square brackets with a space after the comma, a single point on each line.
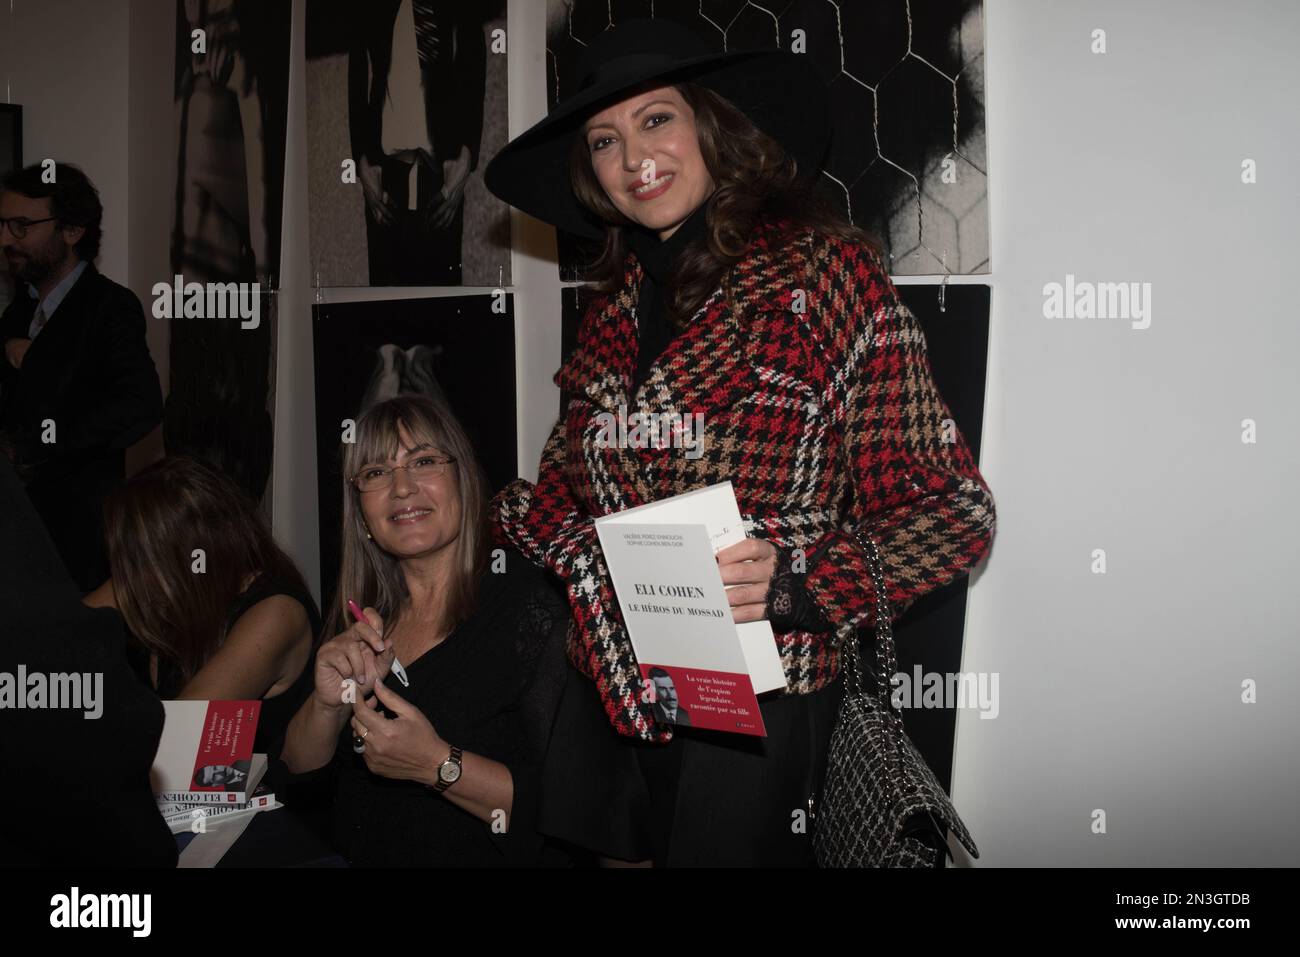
[905, 81]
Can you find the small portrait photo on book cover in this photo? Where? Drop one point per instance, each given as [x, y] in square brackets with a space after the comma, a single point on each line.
[227, 776]
[667, 708]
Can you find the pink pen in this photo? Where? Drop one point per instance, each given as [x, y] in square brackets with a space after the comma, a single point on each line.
[396, 667]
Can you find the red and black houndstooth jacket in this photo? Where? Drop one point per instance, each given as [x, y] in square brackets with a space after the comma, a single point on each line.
[819, 405]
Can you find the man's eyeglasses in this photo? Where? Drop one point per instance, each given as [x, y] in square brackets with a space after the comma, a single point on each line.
[18, 225]
[374, 478]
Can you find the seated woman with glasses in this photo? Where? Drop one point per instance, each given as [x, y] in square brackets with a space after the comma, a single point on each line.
[439, 768]
[217, 610]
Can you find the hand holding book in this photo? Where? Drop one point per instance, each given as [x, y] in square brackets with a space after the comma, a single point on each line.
[667, 561]
[747, 568]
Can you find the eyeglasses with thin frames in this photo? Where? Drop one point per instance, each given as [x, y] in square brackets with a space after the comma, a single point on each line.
[376, 478]
[19, 225]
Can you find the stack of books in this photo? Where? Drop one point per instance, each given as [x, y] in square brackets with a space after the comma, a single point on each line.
[205, 771]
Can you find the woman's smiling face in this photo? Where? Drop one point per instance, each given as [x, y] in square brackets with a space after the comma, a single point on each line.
[645, 153]
[414, 517]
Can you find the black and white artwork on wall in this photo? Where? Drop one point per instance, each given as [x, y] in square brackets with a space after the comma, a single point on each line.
[232, 94]
[406, 104]
[232, 100]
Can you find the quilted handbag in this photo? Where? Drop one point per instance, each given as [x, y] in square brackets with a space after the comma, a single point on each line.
[881, 804]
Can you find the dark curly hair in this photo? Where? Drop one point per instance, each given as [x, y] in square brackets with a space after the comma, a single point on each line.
[74, 201]
[758, 185]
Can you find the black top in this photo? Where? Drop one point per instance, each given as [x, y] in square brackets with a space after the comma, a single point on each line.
[59, 765]
[657, 259]
[491, 688]
[276, 712]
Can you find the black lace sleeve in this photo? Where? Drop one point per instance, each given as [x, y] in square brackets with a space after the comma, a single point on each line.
[790, 606]
[539, 638]
[541, 629]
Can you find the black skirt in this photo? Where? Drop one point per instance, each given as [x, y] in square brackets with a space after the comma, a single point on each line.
[707, 798]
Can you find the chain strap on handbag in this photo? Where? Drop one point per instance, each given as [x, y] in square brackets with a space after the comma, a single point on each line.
[881, 804]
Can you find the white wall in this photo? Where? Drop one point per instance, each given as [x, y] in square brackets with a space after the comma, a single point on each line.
[1122, 691]
[66, 63]
[152, 136]
[294, 514]
[537, 280]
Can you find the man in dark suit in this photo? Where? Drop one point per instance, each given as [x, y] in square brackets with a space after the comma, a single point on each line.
[77, 384]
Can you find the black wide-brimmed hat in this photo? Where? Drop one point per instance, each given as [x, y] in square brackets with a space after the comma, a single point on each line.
[780, 92]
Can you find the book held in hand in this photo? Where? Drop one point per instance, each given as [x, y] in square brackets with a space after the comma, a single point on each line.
[697, 665]
[716, 509]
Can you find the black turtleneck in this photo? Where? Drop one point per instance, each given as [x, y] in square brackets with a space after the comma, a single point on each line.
[657, 258]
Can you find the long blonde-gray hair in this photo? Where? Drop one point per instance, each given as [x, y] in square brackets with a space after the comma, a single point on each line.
[368, 574]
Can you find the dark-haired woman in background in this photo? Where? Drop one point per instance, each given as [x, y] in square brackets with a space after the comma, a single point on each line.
[447, 774]
[217, 609]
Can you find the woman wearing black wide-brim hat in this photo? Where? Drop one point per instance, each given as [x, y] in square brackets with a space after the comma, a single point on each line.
[726, 291]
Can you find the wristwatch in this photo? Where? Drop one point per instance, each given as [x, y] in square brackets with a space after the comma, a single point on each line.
[449, 771]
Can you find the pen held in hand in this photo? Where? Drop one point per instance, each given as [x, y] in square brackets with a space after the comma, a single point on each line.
[396, 667]
[358, 742]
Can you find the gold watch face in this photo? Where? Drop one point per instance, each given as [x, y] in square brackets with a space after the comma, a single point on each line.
[449, 772]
